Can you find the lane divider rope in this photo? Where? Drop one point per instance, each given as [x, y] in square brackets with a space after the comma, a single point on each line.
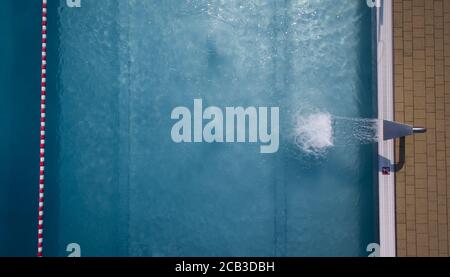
[42, 130]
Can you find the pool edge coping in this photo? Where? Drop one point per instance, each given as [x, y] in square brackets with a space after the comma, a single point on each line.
[385, 96]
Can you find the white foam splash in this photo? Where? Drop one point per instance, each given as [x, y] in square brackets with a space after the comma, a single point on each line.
[313, 133]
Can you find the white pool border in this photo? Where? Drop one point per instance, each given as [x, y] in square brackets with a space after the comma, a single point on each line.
[385, 84]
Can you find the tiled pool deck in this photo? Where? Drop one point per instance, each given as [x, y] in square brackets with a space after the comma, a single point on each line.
[422, 98]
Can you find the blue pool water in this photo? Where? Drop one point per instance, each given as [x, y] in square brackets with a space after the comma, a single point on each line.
[119, 186]
[20, 53]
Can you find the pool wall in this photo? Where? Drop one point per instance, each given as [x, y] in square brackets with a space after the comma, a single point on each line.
[385, 111]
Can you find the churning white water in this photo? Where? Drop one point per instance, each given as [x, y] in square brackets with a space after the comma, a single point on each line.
[316, 133]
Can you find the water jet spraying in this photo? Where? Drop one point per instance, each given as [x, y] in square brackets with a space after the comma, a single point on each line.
[315, 133]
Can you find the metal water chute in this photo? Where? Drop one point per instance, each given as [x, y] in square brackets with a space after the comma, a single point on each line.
[392, 130]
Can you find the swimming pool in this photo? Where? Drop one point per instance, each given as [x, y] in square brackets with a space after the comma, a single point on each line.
[118, 184]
